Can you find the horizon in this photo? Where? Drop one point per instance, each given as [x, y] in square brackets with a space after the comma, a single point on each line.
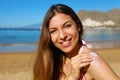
[22, 13]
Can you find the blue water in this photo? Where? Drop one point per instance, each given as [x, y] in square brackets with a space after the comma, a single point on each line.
[26, 40]
[109, 34]
[19, 36]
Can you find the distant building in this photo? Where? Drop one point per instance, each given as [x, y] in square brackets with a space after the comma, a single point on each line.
[92, 23]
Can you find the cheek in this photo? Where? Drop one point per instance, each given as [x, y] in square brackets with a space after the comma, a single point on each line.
[54, 39]
[75, 33]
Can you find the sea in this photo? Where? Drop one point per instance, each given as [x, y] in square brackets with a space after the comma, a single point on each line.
[14, 40]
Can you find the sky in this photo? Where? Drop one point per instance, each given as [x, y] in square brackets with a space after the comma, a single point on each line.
[20, 13]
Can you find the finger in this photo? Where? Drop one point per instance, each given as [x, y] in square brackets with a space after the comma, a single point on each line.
[84, 64]
[79, 66]
[79, 56]
[78, 63]
[82, 60]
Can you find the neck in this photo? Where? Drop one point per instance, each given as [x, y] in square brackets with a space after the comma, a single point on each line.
[74, 52]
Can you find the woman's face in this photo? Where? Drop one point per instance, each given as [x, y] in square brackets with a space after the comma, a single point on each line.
[64, 32]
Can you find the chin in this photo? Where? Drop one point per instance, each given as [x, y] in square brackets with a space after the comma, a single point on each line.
[67, 50]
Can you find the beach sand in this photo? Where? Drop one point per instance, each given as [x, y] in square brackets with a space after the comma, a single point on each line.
[18, 65]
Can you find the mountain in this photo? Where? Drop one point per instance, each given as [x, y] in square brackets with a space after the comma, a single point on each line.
[114, 14]
[111, 17]
[34, 26]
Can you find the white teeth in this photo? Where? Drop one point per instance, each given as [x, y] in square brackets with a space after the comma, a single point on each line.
[66, 42]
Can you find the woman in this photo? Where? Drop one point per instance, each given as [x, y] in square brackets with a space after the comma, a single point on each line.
[62, 54]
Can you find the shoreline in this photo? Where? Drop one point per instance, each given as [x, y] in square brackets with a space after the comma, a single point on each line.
[30, 47]
[104, 44]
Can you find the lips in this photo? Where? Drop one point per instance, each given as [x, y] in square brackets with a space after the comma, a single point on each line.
[65, 43]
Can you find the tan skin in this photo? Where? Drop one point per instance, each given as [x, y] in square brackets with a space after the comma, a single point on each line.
[65, 36]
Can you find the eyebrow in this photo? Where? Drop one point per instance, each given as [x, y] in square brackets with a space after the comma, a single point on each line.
[62, 24]
[67, 22]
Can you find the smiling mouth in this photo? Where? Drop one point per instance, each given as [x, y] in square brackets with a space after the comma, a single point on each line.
[66, 42]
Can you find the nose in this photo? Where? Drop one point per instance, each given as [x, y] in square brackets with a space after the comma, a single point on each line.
[62, 35]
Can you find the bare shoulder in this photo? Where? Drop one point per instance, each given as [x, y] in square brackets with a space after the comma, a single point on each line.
[98, 68]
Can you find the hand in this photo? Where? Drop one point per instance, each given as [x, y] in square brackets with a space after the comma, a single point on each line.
[77, 62]
[81, 60]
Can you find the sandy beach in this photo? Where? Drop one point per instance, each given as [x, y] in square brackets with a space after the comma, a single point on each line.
[18, 65]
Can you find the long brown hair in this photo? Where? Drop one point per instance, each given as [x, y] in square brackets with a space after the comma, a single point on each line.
[49, 59]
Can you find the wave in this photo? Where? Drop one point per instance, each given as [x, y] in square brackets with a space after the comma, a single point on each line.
[20, 28]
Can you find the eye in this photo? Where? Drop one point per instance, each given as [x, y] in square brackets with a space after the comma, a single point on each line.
[52, 31]
[68, 25]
